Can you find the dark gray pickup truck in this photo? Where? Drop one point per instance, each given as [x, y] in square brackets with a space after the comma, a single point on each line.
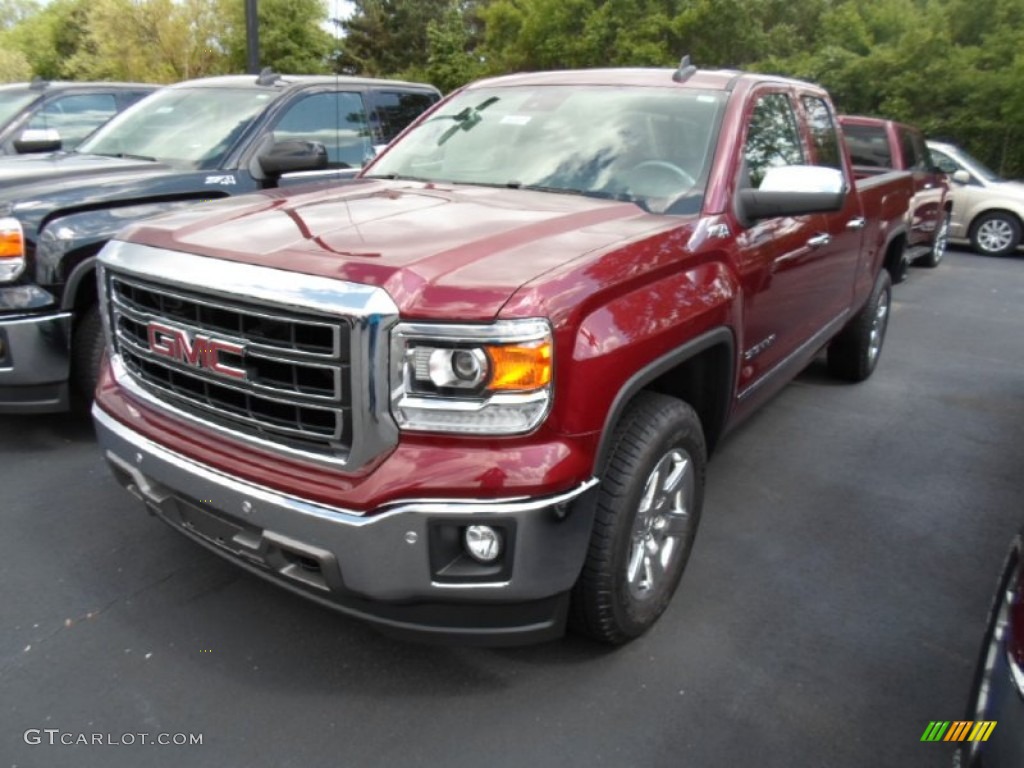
[194, 141]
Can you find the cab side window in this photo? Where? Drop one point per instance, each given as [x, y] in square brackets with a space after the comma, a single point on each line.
[773, 139]
[75, 117]
[336, 120]
[823, 133]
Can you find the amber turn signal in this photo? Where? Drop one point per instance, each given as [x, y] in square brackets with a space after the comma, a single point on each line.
[520, 367]
[12, 242]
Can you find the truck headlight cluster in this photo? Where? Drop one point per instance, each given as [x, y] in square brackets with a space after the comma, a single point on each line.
[12, 249]
[477, 379]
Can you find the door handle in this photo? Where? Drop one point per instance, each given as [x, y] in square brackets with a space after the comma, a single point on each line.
[819, 240]
[857, 223]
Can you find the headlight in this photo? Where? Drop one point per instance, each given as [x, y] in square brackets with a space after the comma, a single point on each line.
[12, 249]
[473, 379]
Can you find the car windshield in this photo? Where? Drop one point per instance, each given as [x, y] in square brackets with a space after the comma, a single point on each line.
[190, 128]
[13, 101]
[652, 146]
[980, 168]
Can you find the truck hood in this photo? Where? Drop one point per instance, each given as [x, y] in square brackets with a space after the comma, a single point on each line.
[36, 184]
[439, 250]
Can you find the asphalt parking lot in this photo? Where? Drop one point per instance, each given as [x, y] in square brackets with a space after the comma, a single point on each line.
[833, 607]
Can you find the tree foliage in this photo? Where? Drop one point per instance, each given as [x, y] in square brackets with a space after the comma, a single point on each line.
[953, 67]
[292, 38]
[151, 40]
[159, 41]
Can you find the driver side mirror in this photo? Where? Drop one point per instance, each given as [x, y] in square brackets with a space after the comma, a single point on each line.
[37, 140]
[793, 190]
[293, 157]
[961, 177]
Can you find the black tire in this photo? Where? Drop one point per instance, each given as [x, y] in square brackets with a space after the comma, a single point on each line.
[87, 353]
[939, 245]
[996, 234]
[854, 353]
[651, 494]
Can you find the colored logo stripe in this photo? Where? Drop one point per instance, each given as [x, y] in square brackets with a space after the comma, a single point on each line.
[958, 730]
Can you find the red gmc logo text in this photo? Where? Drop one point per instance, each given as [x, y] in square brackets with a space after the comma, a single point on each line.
[199, 351]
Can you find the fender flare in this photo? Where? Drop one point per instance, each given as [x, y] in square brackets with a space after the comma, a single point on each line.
[84, 271]
[639, 380]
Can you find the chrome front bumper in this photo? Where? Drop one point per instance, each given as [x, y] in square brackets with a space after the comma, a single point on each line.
[390, 567]
[34, 362]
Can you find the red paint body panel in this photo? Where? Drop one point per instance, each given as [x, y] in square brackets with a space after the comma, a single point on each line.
[621, 288]
[931, 188]
[421, 467]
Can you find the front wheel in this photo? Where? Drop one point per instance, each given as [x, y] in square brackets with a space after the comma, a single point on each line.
[854, 353]
[939, 245]
[649, 506]
[996, 234]
[87, 353]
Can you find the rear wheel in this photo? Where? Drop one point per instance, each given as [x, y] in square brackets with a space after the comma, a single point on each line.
[854, 353]
[996, 234]
[649, 506]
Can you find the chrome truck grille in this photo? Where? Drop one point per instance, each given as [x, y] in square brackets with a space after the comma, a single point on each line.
[284, 360]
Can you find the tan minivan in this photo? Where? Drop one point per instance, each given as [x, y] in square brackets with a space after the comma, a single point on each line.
[987, 210]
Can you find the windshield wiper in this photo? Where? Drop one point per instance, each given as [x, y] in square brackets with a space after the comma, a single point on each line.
[567, 191]
[396, 177]
[124, 156]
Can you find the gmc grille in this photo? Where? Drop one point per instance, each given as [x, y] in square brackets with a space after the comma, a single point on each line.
[296, 387]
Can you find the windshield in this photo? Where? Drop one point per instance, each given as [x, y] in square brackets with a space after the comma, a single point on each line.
[12, 102]
[652, 146]
[958, 160]
[191, 128]
[979, 168]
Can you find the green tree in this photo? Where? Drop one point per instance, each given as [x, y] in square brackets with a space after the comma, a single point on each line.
[387, 37]
[292, 39]
[160, 41]
[14, 12]
[50, 38]
[452, 60]
[14, 67]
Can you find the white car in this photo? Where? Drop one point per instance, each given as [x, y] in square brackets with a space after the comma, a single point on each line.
[987, 210]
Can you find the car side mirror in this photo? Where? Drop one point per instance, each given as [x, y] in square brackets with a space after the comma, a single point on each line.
[793, 190]
[961, 177]
[37, 140]
[293, 156]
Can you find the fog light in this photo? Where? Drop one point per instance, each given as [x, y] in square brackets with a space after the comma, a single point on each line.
[483, 543]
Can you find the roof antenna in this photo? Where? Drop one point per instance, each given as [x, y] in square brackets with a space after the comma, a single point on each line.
[685, 72]
[267, 76]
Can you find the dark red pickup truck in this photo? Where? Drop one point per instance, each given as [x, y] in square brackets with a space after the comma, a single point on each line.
[471, 394]
[879, 146]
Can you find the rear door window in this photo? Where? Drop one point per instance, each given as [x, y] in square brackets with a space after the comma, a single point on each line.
[394, 110]
[914, 153]
[823, 133]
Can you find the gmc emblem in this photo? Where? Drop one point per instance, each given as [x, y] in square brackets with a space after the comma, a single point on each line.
[198, 351]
